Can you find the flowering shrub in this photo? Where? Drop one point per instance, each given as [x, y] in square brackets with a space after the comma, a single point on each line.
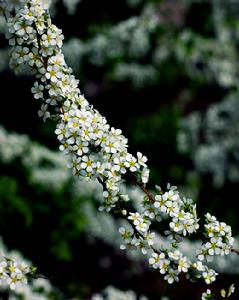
[211, 140]
[98, 151]
[111, 293]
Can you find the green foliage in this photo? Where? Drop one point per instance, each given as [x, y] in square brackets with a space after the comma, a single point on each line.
[28, 206]
[12, 203]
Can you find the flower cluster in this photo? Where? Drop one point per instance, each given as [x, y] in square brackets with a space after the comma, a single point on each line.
[219, 238]
[13, 273]
[182, 211]
[96, 149]
[211, 140]
[169, 263]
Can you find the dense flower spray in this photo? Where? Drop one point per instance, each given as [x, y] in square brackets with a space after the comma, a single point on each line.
[98, 151]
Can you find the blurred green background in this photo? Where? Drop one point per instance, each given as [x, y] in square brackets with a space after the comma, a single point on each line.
[166, 73]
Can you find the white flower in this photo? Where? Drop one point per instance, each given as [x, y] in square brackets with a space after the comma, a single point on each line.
[174, 255]
[142, 226]
[37, 90]
[61, 132]
[164, 266]
[44, 113]
[231, 290]
[49, 39]
[176, 225]
[53, 73]
[119, 164]
[126, 234]
[206, 295]
[171, 276]
[81, 147]
[141, 159]
[131, 163]
[183, 265]
[145, 175]
[150, 236]
[111, 146]
[3, 268]
[160, 202]
[209, 276]
[23, 27]
[199, 266]
[156, 259]
[87, 163]
[136, 218]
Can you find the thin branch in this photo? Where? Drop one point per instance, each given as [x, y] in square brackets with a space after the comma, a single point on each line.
[235, 251]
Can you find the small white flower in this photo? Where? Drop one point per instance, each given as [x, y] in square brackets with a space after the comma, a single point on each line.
[206, 295]
[131, 163]
[141, 159]
[209, 276]
[156, 259]
[183, 265]
[37, 90]
[44, 113]
[136, 218]
[171, 276]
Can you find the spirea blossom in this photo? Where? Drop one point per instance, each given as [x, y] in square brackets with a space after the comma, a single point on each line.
[207, 295]
[96, 149]
[219, 238]
[13, 273]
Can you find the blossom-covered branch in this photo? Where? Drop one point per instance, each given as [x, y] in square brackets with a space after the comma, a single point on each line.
[101, 225]
[99, 151]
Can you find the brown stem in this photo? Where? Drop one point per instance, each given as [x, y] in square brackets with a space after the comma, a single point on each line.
[235, 251]
[37, 35]
[142, 187]
[150, 195]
